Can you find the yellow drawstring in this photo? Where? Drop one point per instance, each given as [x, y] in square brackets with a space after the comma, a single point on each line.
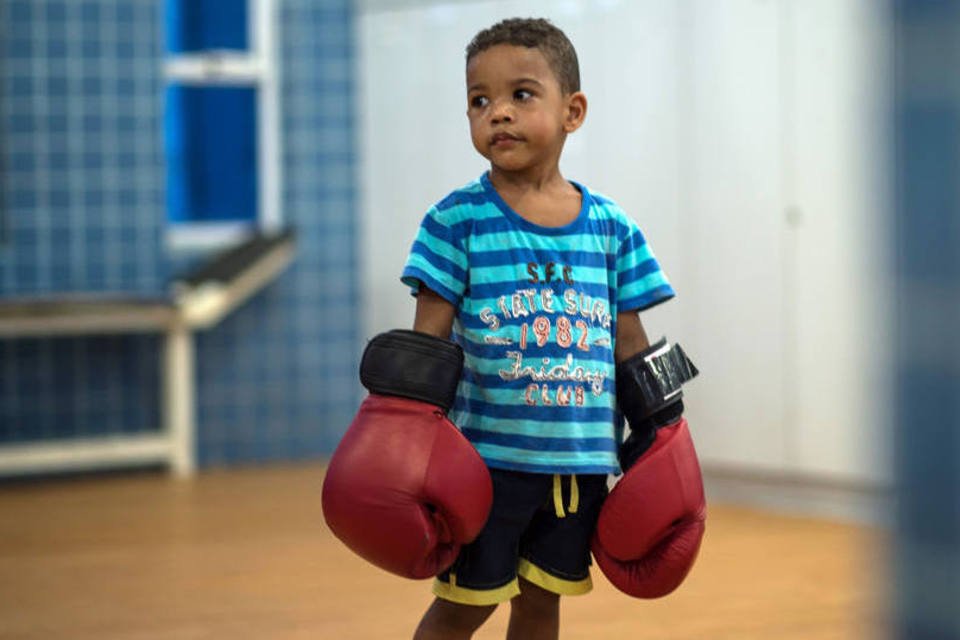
[558, 496]
[574, 494]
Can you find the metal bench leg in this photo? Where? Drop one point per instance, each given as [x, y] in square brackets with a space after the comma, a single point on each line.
[179, 398]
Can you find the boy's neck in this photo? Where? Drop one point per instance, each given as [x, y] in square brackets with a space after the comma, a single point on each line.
[543, 180]
[545, 199]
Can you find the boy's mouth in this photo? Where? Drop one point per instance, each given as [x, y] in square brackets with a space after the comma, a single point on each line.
[503, 138]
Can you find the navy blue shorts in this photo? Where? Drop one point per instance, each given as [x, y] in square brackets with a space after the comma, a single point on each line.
[539, 528]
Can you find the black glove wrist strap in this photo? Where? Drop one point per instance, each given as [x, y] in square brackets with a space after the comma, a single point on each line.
[412, 365]
[652, 379]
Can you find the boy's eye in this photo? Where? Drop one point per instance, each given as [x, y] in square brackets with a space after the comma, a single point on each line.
[522, 94]
[479, 101]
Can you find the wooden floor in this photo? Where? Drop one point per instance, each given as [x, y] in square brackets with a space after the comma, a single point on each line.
[245, 554]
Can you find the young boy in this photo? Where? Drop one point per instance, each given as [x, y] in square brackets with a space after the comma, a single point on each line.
[540, 281]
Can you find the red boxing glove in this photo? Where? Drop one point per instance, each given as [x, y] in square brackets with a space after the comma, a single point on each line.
[650, 526]
[404, 488]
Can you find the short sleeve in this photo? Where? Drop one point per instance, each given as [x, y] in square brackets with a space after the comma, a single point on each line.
[641, 283]
[437, 258]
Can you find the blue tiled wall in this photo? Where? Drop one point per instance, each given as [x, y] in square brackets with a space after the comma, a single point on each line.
[82, 174]
[82, 180]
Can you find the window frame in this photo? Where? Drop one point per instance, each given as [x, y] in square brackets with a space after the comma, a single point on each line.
[257, 67]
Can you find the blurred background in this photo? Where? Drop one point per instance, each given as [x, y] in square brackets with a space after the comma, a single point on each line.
[752, 140]
[139, 138]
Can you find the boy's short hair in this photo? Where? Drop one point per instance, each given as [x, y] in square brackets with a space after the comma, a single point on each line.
[535, 33]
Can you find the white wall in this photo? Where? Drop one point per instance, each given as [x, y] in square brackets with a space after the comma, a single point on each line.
[744, 137]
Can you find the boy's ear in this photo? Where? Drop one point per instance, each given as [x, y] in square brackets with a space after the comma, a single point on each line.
[576, 111]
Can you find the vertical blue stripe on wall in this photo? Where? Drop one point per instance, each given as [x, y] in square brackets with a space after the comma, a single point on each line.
[927, 233]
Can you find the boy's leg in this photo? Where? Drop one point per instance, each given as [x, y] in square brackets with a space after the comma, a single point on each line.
[555, 556]
[446, 620]
[534, 614]
[485, 572]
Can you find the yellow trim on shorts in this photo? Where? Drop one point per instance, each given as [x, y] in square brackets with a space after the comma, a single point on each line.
[479, 597]
[551, 583]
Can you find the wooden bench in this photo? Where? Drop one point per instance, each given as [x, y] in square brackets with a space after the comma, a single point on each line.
[195, 301]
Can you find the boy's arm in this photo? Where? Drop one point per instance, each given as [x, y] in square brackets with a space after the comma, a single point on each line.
[434, 314]
[651, 525]
[631, 337]
[644, 414]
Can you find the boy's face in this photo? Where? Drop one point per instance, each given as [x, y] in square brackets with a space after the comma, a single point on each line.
[519, 116]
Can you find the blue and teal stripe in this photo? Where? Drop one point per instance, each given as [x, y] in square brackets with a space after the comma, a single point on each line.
[477, 253]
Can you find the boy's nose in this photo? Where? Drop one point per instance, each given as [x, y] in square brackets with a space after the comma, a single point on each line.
[501, 113]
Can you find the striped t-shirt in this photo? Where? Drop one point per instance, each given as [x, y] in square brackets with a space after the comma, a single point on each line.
[536, 317]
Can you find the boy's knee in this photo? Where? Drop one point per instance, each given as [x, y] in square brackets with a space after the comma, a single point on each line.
[446, 619]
